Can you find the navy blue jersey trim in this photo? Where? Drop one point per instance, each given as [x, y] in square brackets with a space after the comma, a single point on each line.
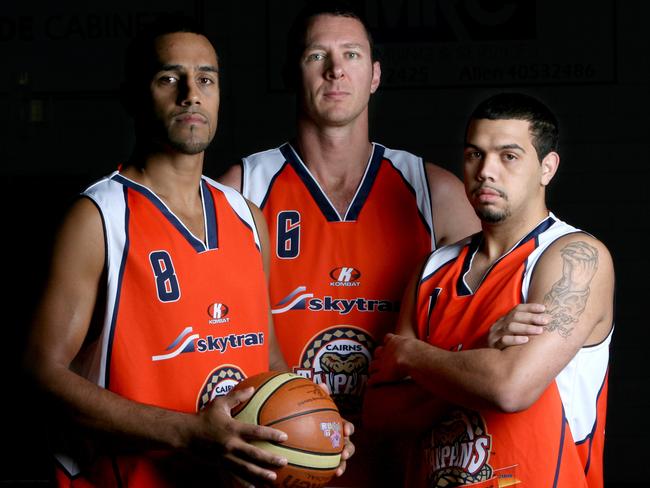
[560, 450]
[210, 212]
[366, 184]
[248, 226]
[116, 471]
[317, 194]
[151, 196]
[462, 289]
[120, 276]
[434, 242]
[590, 436]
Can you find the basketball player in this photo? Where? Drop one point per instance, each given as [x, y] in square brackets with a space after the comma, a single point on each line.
[172, 265]
[534, 413]
[349, 219]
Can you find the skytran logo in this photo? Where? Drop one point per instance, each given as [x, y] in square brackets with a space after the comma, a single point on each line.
[187, 342]
[345, 276]
[298, 299]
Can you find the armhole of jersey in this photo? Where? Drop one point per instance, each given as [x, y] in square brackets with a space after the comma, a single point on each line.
[111, 201]
[413, 172]
[417, 295]
[238, 203]
[104, 230]
[536, 255]
[434, 244]
[242, 180]
[259, 171]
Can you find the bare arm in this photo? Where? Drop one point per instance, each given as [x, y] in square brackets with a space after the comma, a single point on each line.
[60, 327]
[453, 216]
[574, 280]
[232, 177]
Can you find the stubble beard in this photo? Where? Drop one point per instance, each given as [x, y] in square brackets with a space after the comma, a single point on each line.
[190, 146]
[492, 216]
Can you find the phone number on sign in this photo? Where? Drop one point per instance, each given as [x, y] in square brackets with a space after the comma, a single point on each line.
[515, 73]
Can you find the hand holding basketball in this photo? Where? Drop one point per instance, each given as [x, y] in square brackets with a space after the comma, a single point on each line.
[315, 431]
[234, 439]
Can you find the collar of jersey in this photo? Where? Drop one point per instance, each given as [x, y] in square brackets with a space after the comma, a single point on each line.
[462, 289]
[209, 214]
[319, 196]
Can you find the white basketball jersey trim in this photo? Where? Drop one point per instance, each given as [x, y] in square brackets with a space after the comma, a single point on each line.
[259, 170]
[238, 204]
[109, 197]
[580, 382]
[412, 169]
[442, 256]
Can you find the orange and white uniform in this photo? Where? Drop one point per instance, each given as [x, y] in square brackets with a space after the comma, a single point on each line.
[185, 320]
[558, 441]
[337, 280]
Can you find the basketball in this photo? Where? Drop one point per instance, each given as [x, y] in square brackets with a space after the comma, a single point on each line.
[309, 417]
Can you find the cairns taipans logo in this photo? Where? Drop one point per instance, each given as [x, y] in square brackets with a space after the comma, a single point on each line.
[459, 451]
[217, 312]
[339, 357]
[218, 383]
[345, 276]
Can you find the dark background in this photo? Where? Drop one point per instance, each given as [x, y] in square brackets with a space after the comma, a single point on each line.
[61, 127]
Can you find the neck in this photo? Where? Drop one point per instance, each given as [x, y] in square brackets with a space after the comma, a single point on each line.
[169, 174]
[335, 152]
[499, 238]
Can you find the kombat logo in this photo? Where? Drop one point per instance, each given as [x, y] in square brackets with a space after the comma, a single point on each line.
[345, 277]
[298, 299]
[458, 451]
[218, 383]
[187, 342]
[339, 357]
[217, 313]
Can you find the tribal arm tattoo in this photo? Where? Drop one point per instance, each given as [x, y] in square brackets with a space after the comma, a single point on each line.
[567, 298]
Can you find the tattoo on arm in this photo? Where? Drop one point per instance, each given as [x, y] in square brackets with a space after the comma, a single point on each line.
[567, 298]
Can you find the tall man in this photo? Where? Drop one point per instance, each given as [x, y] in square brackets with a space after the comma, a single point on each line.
[349, 219]
[533, 413]
[157, 304]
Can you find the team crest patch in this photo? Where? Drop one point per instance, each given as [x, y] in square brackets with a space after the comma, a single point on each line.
[218, 383]
[458, 451]
[339, 357]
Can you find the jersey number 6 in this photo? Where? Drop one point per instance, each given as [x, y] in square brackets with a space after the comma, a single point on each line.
[288, 246]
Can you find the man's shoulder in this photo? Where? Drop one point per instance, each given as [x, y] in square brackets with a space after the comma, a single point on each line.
[266, 155]
[443, 255]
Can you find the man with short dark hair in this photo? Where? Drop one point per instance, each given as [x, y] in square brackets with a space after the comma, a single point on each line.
[531, 414]
[349, 220]
[156, 303]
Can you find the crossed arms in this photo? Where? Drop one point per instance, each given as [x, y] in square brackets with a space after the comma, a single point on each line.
[574, 281]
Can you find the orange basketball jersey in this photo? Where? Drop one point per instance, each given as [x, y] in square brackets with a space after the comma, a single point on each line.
[558, 441]
[337, 280]
[185, 319]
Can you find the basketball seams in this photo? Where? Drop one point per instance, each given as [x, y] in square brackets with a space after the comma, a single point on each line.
[250, 412]
[270, 395]
[300, 414]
